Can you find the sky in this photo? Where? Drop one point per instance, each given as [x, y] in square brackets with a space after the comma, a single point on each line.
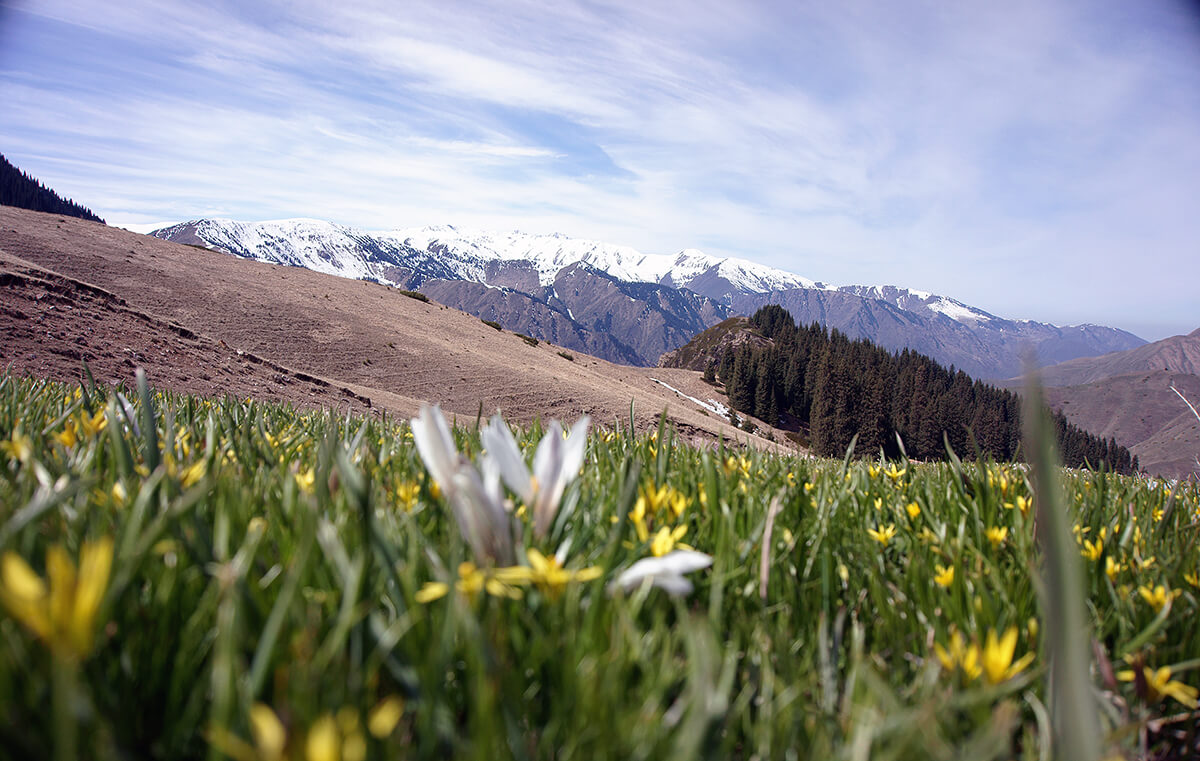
[1039, 159]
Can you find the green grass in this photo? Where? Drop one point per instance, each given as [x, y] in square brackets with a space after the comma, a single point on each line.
[264, 555]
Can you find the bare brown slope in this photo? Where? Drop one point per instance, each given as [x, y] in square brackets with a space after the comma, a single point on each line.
[391, 349]
[1141, 412]
[53, 324]
[1177, 354]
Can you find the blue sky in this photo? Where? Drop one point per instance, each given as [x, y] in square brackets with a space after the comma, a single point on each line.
[1037, 159]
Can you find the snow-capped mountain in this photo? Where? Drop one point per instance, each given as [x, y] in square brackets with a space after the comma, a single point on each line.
[624, 305]
[550, 253]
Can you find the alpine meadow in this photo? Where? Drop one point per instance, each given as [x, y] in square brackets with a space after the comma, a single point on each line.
[590, 380]
[260, 582]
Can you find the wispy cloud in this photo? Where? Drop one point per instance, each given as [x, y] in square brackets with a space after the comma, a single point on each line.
[1015, 156]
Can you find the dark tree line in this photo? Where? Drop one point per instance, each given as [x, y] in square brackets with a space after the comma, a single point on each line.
[21, 190]
[838, 388]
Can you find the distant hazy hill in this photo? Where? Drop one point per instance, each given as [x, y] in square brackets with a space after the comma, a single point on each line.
[1127, 395]
[20, 190]
[1177, 354]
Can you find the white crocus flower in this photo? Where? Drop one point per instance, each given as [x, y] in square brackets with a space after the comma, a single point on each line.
[555, 465]
[665, 572]
[476, 500]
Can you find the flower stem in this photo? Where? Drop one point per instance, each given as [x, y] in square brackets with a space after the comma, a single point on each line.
[63, 688]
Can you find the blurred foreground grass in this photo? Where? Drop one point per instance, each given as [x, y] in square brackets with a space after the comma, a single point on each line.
[192, 578]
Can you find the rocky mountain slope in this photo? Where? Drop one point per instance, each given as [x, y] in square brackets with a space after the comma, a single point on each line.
[204, 322]
[1177, 354]
[556, 294]
[1128, 396]
[649, 303]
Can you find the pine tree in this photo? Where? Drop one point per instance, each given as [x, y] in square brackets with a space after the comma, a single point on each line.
[20, 190]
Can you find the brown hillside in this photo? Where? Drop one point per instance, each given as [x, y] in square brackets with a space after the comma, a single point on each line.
[1177, 354]
[205, 322]
[1127, 395]
[1141, 412]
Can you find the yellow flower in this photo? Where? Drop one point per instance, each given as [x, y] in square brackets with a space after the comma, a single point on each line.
[959, 656]
[64, 614]
[998, 663]
[1159, 686]
[1193, 579]
[270, 738]
[879, 503]
[406, 494]
[913, 510]
[791, 478]
[93, 424]
[996, 535]
[339, 739]
[1093, 550]
[384, 717]
[551, 577]
[665, 539]
[809, 486]
[194, 473]
[499, 582]
[67, 436]
[737, 465]
[872, 471]
[1112, 568]
[651, 502]
[306, 480]
[883, 534]
[1024, 504]
[1158, 596]
[19, 447]
[895, 474]
[945, 576]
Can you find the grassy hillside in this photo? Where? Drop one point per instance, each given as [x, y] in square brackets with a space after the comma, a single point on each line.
[257, 582]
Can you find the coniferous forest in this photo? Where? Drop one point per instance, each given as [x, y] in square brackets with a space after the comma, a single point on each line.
[20, 190]
[837, 388]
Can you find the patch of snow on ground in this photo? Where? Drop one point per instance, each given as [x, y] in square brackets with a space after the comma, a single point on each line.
[710, 405]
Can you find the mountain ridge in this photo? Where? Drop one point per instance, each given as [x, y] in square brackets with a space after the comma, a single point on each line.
[954, 333]
[205, 322]
[1132, 396]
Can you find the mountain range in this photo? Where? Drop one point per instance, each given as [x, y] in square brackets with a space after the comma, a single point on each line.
[203, 322]
[1134, 397]
[620, 304]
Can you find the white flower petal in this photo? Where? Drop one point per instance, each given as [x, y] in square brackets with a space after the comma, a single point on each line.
[435, 444]
[665, 572]
[482, 519]
[555, 465]
[676, 586]
[500, 446]
[576, 447]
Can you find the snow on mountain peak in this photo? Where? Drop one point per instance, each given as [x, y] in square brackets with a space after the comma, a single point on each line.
[466, 252]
